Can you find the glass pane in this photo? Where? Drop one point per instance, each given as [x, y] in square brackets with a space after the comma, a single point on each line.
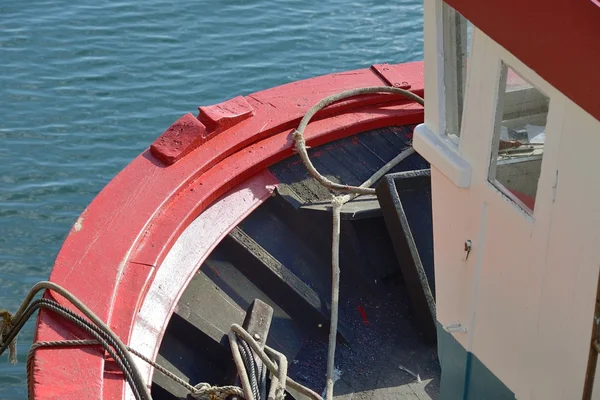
[519, 137]
[457, 47]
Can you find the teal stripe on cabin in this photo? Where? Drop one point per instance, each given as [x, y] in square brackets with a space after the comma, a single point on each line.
[464, 376]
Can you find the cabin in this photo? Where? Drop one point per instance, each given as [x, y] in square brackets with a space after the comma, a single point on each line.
[511, 131]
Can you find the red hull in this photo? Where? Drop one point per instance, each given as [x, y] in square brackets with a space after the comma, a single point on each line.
[117, 247]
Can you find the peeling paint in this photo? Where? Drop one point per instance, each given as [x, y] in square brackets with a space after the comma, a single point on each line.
[79, 223]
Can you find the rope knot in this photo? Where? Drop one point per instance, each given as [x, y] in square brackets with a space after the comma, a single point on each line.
[299, 141]
[338, 201]
[5, 329]
[204, 391]
[297, 135]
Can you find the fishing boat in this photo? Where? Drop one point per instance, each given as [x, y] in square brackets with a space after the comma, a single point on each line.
[334, 238]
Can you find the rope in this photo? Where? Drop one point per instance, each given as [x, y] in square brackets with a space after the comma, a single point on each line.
[137, 381]
[280, 371]
[281, 380]
[252, 367]
[103, 337]
[5, 327]
[263, 381]
[205, 391]
[337, 203]
[301, 148]
[241, 367]
[202, 391]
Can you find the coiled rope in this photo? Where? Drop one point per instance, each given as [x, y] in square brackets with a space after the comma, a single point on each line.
[103, 336]
[279, 378]
[238, 337]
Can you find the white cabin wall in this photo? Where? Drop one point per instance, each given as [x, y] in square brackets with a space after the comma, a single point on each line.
[538, 278]
[532, 274]
[454, 278]
[504, 253]
[526, 293]
[570, 274]
[462, 217]
[448, 170]
[501, 252]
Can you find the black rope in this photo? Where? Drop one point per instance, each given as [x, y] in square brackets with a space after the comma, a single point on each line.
[251, 366]
[108, 343]
[140, 383]
[263, 380]
[103, 338]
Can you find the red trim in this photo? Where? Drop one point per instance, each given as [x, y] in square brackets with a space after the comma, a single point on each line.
[557, 39]
[246, 162]
[113, 251]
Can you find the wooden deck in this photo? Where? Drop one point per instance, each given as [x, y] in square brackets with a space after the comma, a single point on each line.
[281, 255]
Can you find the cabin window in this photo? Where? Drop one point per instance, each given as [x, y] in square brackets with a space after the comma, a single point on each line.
[457, 44]
[519, 137]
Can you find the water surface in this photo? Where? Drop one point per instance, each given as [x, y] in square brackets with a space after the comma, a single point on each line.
[86, 85]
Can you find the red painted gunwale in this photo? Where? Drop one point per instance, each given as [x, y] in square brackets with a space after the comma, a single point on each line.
[114, 250]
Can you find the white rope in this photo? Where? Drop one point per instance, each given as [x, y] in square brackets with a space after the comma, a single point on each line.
[338, 202]
[240, 366]
[279, 381]
[300, 142]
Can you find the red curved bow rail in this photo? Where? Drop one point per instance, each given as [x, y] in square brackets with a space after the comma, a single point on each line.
[114, 250]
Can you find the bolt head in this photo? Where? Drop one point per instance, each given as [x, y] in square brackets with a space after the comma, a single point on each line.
[402, 85]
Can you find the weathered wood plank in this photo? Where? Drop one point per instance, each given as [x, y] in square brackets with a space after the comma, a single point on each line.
[290, 292]
[416, 279]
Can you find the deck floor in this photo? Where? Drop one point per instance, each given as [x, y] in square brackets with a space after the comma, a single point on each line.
[281, 255]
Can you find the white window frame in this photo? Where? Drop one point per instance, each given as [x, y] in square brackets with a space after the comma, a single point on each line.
[533, 97]
[431, 140]
[455, 49]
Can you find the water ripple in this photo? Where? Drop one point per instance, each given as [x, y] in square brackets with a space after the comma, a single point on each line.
[86, 85]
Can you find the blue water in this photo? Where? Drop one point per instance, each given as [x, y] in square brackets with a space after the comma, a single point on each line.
[86, 85]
